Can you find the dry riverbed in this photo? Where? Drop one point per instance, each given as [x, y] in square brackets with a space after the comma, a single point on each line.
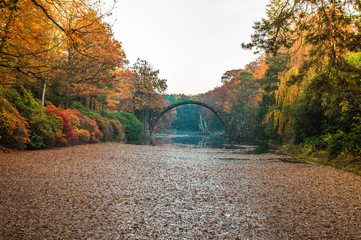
[118, 191]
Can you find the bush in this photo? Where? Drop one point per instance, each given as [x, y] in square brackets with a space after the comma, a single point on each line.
[83, 110]
[14, 131]
[119, 135]
[95, 134]
[314, 144]
[130, 124]
[106, 128]
[62, 142]
[84, 136]
[308, 118]
[74, 117]
[81, 136]
[42, 127]
[353, 139]
[132, 127]
[66, 127]
[82, 122]
[337, 143]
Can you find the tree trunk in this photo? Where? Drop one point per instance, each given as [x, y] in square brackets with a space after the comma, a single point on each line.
[43, 96]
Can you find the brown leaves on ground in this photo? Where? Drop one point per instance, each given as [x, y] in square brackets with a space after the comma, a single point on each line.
[117, 191]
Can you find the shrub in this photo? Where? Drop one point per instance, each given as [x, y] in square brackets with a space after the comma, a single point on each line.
[118, 132]
[83, 110]
[84, 136]
[106, 128]
[353, 139]
[82, 122]
[74, 116]
[14, 131]
[75, 139]
[42, 127]
[95, 134]
[337, 143]
[62, 142]
[131, 126]
[117, 126]
[67, 129]
[81, 136]
[314, 144]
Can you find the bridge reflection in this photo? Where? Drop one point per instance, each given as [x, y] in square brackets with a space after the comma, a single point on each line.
[190, 139]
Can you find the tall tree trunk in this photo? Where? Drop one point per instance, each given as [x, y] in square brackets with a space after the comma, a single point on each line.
[69, 68]
[43, 96]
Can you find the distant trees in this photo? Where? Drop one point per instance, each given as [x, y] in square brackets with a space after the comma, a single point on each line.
[239, 96]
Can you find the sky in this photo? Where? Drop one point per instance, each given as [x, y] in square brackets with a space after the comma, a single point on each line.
[191, 42]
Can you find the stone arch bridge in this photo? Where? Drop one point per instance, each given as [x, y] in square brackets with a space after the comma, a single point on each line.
[150, 119]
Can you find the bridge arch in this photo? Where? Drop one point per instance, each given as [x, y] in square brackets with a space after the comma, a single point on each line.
[221, 115]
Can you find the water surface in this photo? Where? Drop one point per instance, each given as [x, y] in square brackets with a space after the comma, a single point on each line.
[191, 139]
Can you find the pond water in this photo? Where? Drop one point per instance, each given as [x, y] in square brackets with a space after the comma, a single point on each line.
[191, 139]
[212, 140]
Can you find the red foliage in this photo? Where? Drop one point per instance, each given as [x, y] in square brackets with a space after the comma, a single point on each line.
[95, 134]
[83, 122]
[117, 128]
[106, 128]
[67, 128]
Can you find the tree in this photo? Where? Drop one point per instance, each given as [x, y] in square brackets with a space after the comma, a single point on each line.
[329, 27]
[120, 97]
[92, 53]
[147, 87]
[26, 41]
[65, 43]
[320, 37]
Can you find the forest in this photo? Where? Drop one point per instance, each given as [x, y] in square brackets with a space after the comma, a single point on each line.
[65, 79]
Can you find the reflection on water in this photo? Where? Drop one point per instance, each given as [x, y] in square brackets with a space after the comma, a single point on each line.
[213, 140]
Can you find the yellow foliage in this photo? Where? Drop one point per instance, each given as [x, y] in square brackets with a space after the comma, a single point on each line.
[84, 135]
[74, 120]
[59, 134]
[12, 124]
[272, 116]
[7, 125]
[286, 94]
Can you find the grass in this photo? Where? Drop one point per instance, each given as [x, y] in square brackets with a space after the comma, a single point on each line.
[344, 161]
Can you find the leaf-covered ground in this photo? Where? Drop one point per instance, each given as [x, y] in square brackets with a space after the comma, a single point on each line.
[118, 191]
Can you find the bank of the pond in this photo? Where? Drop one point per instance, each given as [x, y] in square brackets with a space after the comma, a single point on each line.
[343, 161]
[346, 162]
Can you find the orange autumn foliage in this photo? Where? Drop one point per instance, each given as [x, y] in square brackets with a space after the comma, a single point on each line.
[13, 127]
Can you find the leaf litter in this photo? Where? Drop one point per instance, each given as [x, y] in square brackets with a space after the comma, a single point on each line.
[118, 191]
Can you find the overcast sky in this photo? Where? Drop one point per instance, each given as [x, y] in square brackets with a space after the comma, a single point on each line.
[191, 42]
